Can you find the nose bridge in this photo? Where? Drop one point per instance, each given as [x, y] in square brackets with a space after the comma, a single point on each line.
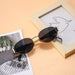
[35, 39]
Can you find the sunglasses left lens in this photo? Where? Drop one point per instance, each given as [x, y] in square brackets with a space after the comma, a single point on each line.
[48, 34]
[24, 46]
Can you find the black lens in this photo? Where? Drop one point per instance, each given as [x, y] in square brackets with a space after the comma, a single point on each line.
[48, 34]
[24, 46]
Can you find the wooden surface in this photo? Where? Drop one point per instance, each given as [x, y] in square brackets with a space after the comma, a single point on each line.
[45, 60]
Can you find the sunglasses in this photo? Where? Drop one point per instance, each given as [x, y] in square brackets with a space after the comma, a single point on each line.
[26, 45]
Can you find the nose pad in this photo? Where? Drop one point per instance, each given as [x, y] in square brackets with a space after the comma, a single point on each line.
[48, 34]
[24, 46]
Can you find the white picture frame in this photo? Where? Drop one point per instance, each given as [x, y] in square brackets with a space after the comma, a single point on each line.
[63, 11]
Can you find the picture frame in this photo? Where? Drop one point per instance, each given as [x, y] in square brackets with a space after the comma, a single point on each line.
[61, 10]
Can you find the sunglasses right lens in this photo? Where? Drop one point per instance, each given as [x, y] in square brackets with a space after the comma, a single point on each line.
[24, 46]
[48, 34]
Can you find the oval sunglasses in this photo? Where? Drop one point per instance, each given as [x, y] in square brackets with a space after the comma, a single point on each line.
[26, 45]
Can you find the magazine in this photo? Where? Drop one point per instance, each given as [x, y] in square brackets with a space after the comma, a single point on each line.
[8, 64]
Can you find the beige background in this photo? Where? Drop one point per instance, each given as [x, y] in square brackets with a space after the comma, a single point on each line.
[45, 60]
